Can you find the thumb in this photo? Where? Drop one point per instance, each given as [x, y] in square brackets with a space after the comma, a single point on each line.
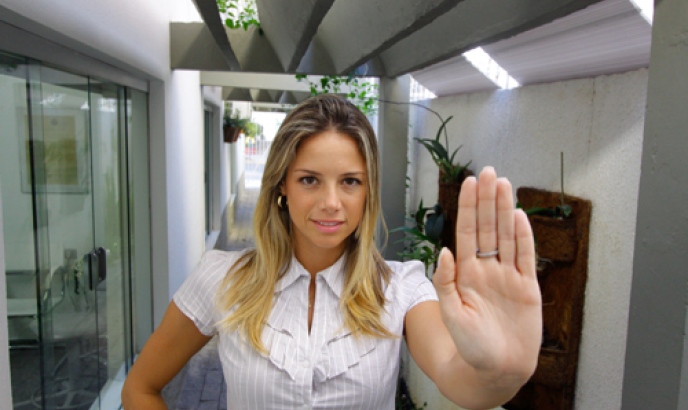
[445, 274]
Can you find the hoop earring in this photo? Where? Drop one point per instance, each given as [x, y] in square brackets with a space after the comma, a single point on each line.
[282, 201]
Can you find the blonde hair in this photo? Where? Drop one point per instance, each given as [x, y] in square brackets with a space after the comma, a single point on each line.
[249, 285]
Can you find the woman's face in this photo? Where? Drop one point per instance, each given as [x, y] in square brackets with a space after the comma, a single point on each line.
[326, 190]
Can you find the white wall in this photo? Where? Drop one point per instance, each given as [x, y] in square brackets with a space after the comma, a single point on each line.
[134, 32]
[598, 124]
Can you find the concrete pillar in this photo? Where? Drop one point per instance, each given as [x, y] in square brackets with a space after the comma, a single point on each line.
[655, 369]
[392, 139]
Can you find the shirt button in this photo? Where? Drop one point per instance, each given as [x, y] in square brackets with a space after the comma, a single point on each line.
[306, 363]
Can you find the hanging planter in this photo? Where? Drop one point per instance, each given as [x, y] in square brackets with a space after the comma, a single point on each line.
[231, 134]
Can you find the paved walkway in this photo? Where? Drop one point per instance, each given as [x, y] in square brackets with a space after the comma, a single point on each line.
[201, 385]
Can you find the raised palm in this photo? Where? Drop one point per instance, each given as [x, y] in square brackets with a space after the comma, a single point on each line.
[491, 305]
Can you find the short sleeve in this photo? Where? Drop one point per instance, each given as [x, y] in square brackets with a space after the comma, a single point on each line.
[196, 297]
[410, 284]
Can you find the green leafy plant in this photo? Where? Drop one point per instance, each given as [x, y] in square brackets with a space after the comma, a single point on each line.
[236, 17]
[450, 170]
[422, 235]
[234, 119]
[362, 93]
[252, 129]
[561, 211]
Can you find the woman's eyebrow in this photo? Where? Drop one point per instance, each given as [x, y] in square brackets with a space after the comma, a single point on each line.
[309, 171]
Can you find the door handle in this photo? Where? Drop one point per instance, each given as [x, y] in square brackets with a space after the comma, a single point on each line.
[99, 255]
[102, 265]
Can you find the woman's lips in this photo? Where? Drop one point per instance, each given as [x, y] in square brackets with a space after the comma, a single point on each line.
[328, 226]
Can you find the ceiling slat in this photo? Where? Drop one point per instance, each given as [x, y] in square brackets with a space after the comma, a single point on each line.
[211, 16]
[354, 31]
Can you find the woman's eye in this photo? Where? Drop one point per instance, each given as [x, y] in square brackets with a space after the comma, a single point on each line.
[352, 181]
[308, 180]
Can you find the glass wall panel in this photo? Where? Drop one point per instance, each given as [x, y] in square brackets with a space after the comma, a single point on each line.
[108, 157]
[22, 282]
[65, 189]
[62, 151]
[139, 216]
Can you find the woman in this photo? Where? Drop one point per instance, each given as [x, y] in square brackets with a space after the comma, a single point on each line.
[313, 316]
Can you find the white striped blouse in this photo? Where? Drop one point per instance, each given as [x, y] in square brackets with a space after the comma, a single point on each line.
[326, 369]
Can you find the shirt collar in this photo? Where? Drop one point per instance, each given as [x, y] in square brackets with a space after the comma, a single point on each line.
[334, 275]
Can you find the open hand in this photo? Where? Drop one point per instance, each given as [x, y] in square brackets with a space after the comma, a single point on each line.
[491, 305]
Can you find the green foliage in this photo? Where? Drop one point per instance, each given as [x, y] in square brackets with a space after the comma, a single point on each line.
[250, 129]
[451, 171]
[363, 94]
[561, 211]
[422, 235]
[234, 119]
[236, 17]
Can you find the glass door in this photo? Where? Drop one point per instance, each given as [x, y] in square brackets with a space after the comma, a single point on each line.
[72, 163]
[108, 107]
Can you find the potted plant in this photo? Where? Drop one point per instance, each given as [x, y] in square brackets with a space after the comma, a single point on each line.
[423, 235]
[233, 125]
[451, 176]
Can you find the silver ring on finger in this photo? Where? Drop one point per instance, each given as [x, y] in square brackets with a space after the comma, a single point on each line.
[486, 254]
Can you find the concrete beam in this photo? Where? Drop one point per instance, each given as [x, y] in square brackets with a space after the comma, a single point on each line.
[253, 51]
[290, 37]
[237, 94]
[254, 80]
[194, 48]
[293, 97]
[211, 16]
[288, 98]
[470, 24]
[354, 31]
[316, 60]
[262, 95]
[274, 94]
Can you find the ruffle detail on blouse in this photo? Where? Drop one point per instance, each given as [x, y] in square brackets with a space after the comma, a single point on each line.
[341, 353]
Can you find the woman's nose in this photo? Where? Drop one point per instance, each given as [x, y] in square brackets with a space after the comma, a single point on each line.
[331, 200]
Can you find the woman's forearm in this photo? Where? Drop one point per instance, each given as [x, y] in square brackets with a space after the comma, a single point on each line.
[458, 381]
[142, 401]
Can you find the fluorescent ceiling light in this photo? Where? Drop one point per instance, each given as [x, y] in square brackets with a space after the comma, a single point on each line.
[646, 8]
[490, 69]
[419, 92]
